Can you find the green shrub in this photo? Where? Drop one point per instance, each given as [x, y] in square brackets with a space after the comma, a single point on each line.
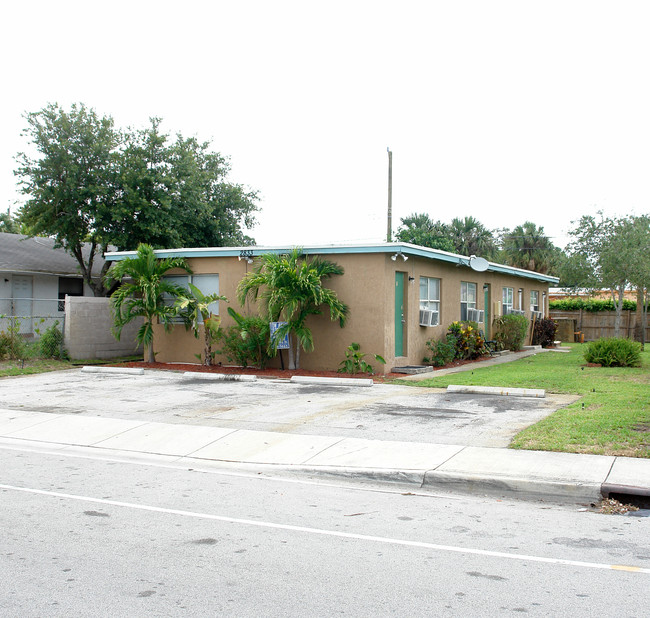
[441, 352]
[463, 341]
[12, 344]
[247, 342]
[614, 352]
[544, 332]
[510, 331]
[50, 344]
[590, 304]
[354, 360]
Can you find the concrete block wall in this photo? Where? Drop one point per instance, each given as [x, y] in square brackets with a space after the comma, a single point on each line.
[89, 330]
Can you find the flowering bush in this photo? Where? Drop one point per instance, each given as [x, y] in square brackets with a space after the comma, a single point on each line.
[470, 343]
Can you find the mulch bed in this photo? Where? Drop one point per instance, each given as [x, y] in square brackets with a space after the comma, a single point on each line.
[261, 373]
[278, 373]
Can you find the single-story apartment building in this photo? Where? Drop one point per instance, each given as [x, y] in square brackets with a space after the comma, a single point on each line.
[400, 295]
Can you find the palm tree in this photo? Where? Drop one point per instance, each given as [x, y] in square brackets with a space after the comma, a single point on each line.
[194, 307]
[526, 246]
[291, 289]
[470, 237]
[145, 293]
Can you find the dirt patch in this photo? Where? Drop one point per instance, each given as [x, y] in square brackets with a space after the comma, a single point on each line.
[641, 427]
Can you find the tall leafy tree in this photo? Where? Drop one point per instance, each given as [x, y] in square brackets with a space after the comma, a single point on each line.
[90, 183]
[291, 289]
[71, 181]
[526, 246]
[617, 250]
[145, 294]
[420, 229]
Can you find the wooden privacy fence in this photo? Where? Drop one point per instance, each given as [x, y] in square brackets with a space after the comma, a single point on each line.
[594, 324]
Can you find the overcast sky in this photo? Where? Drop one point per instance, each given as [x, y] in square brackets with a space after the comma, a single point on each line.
[505, 111]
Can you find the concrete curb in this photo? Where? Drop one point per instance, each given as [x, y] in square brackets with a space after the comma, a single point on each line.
[497, 390]
[513, 487]
[332, 381]
[125, 370]
[218, 377]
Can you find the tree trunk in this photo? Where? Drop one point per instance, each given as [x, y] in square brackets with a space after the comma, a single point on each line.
[619, 309]
[639, 326]
[150, 355]
[292, 362]
[207, 349]
[297, 354]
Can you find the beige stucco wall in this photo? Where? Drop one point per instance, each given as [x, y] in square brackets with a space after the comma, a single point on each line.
[368, 287]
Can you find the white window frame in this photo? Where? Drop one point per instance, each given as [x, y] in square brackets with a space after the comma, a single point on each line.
[465, 302]
[430, 301]
[507, 300]
[534, 300]
[184, 281]
[196, 280]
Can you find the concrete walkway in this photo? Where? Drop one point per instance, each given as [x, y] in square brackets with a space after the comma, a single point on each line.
[555, 477]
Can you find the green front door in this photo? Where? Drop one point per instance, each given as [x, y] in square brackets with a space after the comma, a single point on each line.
[486, 313]
[399, 314]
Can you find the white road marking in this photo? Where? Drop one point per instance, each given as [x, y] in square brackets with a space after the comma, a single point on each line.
[332, 533]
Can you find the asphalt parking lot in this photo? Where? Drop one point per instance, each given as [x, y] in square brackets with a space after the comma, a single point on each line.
[380, 412]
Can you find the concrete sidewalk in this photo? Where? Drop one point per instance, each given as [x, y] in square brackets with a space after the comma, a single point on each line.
[556, 477]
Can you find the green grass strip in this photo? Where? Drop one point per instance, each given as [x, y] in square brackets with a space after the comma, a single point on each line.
[612, 417]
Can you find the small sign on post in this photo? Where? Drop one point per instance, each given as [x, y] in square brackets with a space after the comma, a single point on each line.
[280, 344]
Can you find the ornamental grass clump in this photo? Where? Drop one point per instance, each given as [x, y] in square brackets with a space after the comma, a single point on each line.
[614, 352]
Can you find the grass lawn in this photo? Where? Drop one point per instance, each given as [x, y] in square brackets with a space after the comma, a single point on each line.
[17, 368]
[42, 365]
[611, 418]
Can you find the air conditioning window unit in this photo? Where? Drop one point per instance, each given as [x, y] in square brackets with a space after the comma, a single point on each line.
[426, 317]
[476, 315]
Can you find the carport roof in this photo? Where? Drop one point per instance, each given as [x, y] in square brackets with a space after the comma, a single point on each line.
[405, 249]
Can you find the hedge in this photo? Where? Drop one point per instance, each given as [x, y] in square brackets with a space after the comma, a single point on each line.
[574, 304]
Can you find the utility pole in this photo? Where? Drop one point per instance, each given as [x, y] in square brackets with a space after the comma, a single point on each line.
[390, 196]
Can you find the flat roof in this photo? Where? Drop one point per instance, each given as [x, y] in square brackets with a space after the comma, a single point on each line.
[406, 249]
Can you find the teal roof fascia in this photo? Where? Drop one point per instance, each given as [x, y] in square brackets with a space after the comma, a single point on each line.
[391, 248]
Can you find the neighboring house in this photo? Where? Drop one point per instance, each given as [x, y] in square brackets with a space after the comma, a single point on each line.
[400, 295]
[35, 279]
[585, 294]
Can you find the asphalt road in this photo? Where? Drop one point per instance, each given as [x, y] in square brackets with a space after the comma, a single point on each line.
[381, 412]
[87, 537]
